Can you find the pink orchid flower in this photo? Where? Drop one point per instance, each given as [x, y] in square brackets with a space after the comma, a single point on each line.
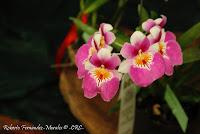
[148, 24]
[102, 76]
[104, 36]
[165, 43]
[82, 57]
[100, 39]
[142, 65]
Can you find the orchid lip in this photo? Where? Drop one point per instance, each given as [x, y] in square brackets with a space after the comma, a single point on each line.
[101, 75]
[143, 60]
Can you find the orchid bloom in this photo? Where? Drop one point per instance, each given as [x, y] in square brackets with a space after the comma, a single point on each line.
[100, 39]
[103, 37]
[165, 43]
[147, 25]
[102, 76]
[82, 57]
[142, 65]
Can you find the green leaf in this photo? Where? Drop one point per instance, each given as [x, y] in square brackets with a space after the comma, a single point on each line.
[143, 14]
[84, 27]
[94, 19]
[153, 14]
[189, 36]
[120, 40]
[95, 5]
[191, 55]
[85, 36]
[176, 108]
[82, 5]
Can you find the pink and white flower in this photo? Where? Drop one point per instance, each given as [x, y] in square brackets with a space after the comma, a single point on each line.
[100, 39]
[142, 65]
[148, 24]
[82, 57]
[103, 37]
[165, 43]
[102, 76]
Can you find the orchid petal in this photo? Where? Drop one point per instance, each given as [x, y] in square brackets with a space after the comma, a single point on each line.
[161, 21]
[112, 62]
[174, 52]
[137, 37]
[169, 36]
[104, 53]
[168, 67]
[144, 45]
[89, 42]
[155, 32]
[116, 74]
[124, 67]
[80, 57]
[109, 89]
[128, 51]
[89, 86]
[110, 48]
[105, 27]
[109, 37]
[164, 21]
[97, 38]
[151, 39]
[95, 60]
[147, 25]
[154, 48]
[144, 77]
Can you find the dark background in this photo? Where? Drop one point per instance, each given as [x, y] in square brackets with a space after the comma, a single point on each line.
[30, 33]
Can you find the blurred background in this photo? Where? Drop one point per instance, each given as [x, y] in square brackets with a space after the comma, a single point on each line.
[30, 34]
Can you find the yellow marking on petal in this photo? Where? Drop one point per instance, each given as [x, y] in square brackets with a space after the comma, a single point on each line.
[143, 60]
[101, 75]
[162, 48]
[92, 51]
[102, 42]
